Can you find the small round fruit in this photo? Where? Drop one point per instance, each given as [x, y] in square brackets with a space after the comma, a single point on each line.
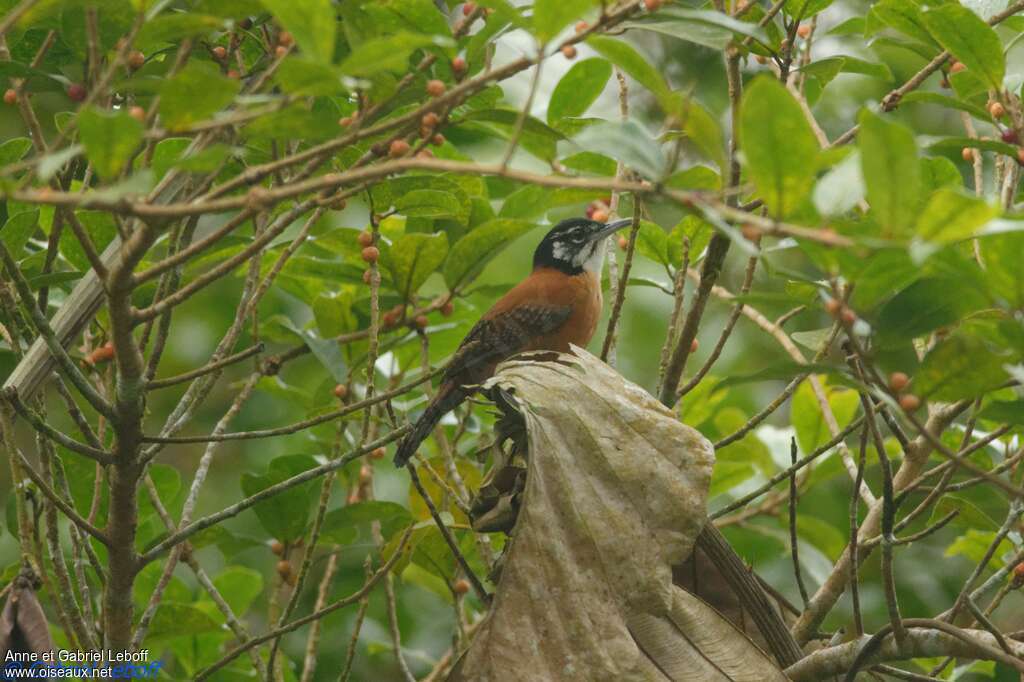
[233, 74]
[581, 26]
[652, 5]
[623, 243]
[1020, 155]
[694, 345]
[104, 353]
[76, 92]
[909, 402]
[389, 319]
[430, 120]
[847, 316]
[957, 67]
[967, 153]
[447, 309]
[367, 277]
[468, 8]
[804, 31]
[365, 474]
[398, 148]
[136, 59]
[285, 38]
[346, 121]
[898, 381]
[277, 547]
[751, 233]
[138, 113]
[280, 51]
[996, 109]
[1010, 136]
[569, 51]
[370, 254]
[461, 586]
[10, 96]
[338, 205]
[341, 391]
[437, 140]
[760, 59]
[1018, 574]
[833, 306]
[600, 216]
[377, 453]
[459, 66]
[365, 238]
[284, 569]
[421, 321]
[424, 154]
[435, 88]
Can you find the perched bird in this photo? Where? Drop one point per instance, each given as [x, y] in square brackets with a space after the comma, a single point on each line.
[558, 304]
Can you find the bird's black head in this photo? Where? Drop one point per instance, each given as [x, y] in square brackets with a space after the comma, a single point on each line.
[575, 245]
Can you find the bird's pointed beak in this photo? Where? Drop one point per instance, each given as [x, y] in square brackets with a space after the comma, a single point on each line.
[611, 228]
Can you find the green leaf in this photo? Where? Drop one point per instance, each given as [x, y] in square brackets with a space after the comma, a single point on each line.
[968, 515]
[333, 314]
[925, 97]
[891, 172]
[955, 144]
[728, 475]
[285, 515]
[412, 258]
[904, 16]
[173, 619]
[109, 139]
[1005, 411]
[694, 228]
[922, 307]
[311, 22]
[194, 94]
[823, 535]
[305, 77]
[703, 27]
[633, 63]
[808, 420]
[239, 585]
[14, 149]
[391, 192]
[470, 254]
[578, 89]
[968, 38]
[18, 229]
[974, 545]
[778, 144]
[951, 216]
[342, 526]
[625, 141]
[388, 53]
[431, 203]
[1001, 255]
[841, 189]
[960, 366]
[551, 16]
[652, 242]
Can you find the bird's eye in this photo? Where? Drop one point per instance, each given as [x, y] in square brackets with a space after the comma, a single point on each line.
[576, 235]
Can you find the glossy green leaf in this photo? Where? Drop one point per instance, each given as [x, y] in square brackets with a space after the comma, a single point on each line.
[968, 515]
[302, 77]
[925, 97]
[14, 149]
[904, 16]
[343, 525]
[194, 94]
[628, 142]
[284, 516]
[109, 139]
[388, 53]
[633, 63]
[1002, 257]
[891, 172]
[951, 216]
[652, 242]
[311, 22]
[470, 254]
[728, 475]
[922, 307]
[1005, 411]
[808, 419]
[551, 16]
[412, 258]
[968, 38]
[693, 228]
[174, 619]
[239, 585]
[578, 89]
[431, 203]
[960, 366]
[703, 27]
[779, 147]
[18, 229]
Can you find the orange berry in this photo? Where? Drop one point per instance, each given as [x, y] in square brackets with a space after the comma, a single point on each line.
[461, 586]
[390, 319]
[138, 113]
[76, 92]
[652, 5]
[285, 38]
[435, 88]
[581, 26]
[468, 8]
[569, 51]
[996, 109]
[341, 391]
[694, 345]
[277, 547]
[280, 51]
[909, 402]
[398, 148]
[833, 306]
[623, 243]
[284, 569]
[967, 153]
[10, 96]
[424, 154]
[367, 276]
[600, 216]
[751, 233]
[365, 474]
[430, 120]
[459, 66]
[437, 140]
[365, 238]
[761, 59]
[136, 59]
[804, 31]
[848, 316]
[898, 381]
[338, 205]
[377, 453]
[957, 67]
[233, 73]
[104, 353]
[422, 321]
[447, 309]
[370, 254]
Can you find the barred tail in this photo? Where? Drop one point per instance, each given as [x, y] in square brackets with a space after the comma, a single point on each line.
[447, 399]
